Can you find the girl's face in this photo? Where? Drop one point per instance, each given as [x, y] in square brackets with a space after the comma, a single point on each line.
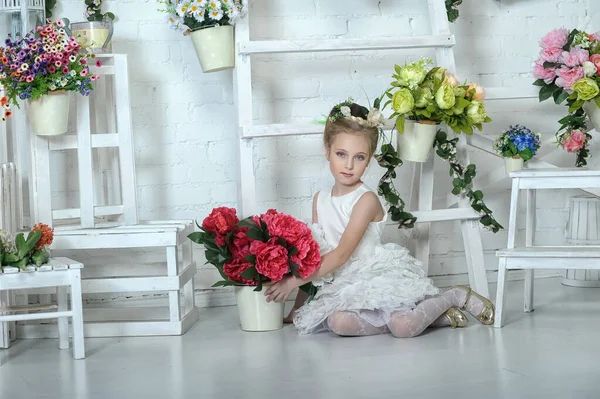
[348, 158]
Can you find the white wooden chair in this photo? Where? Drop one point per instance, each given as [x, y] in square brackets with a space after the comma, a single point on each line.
[531, 257]
[62, 273]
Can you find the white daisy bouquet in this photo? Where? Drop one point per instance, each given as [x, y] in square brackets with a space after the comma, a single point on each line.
[193, 15]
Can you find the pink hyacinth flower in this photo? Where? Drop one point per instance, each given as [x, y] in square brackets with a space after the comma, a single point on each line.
[574, 141]
[568, 76]
[575, 57]
[555, 38]
[546, 74]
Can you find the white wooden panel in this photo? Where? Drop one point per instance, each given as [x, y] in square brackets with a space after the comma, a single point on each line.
[381, 43]
[99, 211]
[560, 182]
[125, 131]
[552, 252]
[69, 142]
[243, 95]
[84, 162]
[41, 193]
[36, 316]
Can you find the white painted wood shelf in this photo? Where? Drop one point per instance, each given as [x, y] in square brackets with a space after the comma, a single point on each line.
[530, 257]
[173, 276]
[383, 43]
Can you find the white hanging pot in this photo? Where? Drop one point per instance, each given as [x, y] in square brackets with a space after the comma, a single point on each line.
[49, 114]
[513, 164]
[593, 112]
[416, 142]
[256, 314]
[214, 48]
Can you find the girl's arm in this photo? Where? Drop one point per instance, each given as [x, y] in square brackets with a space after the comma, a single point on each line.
[364, 212]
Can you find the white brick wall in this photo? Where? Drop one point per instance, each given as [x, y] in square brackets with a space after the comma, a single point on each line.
[185, 126]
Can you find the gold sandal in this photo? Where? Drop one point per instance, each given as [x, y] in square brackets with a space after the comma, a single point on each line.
[456, 318]
[487, 314]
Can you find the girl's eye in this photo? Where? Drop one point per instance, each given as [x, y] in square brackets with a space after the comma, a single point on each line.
[341, 154]
[360, 157]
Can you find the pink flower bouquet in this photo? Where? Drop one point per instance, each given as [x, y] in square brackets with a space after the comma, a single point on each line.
[569, 67]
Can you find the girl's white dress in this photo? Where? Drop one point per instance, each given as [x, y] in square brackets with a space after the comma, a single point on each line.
[377, 280]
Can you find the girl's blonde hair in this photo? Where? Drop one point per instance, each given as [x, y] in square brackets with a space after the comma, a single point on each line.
[347, 125]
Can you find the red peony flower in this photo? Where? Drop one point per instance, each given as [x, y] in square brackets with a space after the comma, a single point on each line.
[240, 242]
[220, 240]
[271, 259]
[307, 257]
[234, 269]
[285, 226]
[220, 221]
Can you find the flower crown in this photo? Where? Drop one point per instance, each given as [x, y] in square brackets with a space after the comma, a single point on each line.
[368, 118]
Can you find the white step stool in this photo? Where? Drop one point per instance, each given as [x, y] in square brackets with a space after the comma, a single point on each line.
[175, 276]
[531, 257]
[58, 272]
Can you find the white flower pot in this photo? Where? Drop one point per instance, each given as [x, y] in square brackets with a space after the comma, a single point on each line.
[49, 114]
[593, 112]
[256, 314]
[416, 142]
[513, 164]
[214, 48]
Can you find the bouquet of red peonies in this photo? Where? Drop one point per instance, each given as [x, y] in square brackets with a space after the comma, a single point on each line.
[258, 249]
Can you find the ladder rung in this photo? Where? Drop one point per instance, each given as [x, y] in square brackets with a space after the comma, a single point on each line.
[281, 129]
[69, 142]
[444, 215]
[384, 43]
[551, 252]
[99, 211]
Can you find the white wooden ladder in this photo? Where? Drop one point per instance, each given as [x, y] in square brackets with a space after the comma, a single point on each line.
[107, 189]
[421, 200]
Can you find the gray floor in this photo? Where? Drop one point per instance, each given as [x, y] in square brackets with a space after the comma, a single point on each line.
[553, 352]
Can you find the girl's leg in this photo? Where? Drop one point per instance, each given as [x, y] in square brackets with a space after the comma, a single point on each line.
[412, 322]
[301, 298]
[349, 324]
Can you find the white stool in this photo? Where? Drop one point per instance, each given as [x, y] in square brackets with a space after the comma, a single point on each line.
[58, 272]
[531, 257]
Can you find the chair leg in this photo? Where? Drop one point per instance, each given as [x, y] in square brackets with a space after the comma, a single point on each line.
[529, 275]
[63, 322]
[500, 293]
[77, 308]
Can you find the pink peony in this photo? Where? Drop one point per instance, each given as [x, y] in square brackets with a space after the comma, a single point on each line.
[575, 57]
[595, 36]
[556, 38]
[574, 141]
[553, 54]
[568, 76]
[546, 74]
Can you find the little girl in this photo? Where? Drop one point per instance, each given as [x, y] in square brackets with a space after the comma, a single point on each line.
[365, 287]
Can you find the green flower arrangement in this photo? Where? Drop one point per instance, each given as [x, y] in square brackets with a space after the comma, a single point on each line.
[420, 93]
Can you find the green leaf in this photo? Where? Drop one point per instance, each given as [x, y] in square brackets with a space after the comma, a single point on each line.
[539, 82]
[250, 273]
[576, 105]
[282, 242]
[256, 234]
[292, 250]
[478, 194]
[294, 268]
[248, 222]
[250, 259]
[597, 101]
[10, 258]
[456, 190]
[400, 124]
[110, 15]
[560, 97]
[546, 92]
[221, 284]
[197, 237]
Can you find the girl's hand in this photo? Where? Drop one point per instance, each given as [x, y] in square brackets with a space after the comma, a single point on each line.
[282, 289]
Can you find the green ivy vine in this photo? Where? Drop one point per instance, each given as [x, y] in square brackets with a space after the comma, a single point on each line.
[462, 184]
